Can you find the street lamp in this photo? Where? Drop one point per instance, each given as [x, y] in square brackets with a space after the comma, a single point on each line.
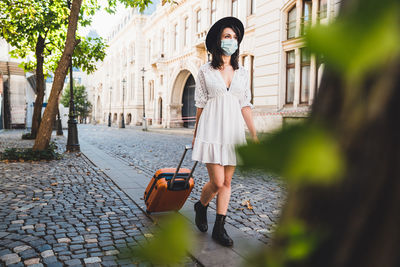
[72, 140]
[59, 124]
[144, 106]
[123, 100]
[109, 114]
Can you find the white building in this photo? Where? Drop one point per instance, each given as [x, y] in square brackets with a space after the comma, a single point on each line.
[15, 91]
[169, 45]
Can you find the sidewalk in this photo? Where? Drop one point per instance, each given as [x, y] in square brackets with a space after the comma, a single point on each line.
[206, 251]
[65, 213]
[85, 208]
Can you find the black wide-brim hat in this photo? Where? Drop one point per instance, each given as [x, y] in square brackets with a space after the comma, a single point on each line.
[212, 35]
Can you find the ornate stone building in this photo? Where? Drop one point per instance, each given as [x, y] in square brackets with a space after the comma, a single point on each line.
[168, 45]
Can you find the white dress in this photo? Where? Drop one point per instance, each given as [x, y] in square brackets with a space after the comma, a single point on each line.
[221, 124]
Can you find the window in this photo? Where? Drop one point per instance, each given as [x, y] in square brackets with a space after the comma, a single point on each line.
[175, 36]
[303, 70]
[234, 8]
[291, 23]
[213, 12]
[320, 69]
[161, 80]
[132, 51]
[251, 5]
[186, 37]
[306, 19]
[149, 53]
[248, 63]
[198, 20]
[322, 9]
[162, 41]
[290, 76]
[305, 76]
[132, 86]
[151, 90]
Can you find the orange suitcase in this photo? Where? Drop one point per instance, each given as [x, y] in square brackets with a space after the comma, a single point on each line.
[169, 188]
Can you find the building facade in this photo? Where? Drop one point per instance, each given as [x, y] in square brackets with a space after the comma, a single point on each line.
[15, 90]
[153, 59]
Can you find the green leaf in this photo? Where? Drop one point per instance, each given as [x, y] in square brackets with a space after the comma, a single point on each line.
[301, 153]
[170, 242]
[356, 44]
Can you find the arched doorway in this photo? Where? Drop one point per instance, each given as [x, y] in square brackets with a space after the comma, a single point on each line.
[188, 108]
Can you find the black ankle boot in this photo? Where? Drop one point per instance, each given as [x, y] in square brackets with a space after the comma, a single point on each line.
[219, 233]
[201, 216]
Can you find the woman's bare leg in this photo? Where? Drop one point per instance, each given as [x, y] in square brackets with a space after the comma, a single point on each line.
[211, 188]
[224, 193]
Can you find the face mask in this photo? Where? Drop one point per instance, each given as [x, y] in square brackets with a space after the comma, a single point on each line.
[229, 46]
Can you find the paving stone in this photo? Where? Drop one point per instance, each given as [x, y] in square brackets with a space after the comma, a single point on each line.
[54, 264]
[63, 240]
[111, 252]
[36, 265]
[32, 261]
[79, 256]
[51, 259]
[19, 264]
[44, 248]
[92, 260]
[47, 253]
[10, 258]
[75, 247]
[21, 248]
[73, 262]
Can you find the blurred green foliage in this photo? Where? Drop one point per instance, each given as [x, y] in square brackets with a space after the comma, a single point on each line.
[28, 154]
[22, 22]
[364, 38]
[82, 104]
[301, 153]
[168, 243]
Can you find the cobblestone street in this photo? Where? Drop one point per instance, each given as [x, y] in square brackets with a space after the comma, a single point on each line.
[149, 151]
[64, 213]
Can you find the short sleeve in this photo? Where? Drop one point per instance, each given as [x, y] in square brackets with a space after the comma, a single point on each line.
[200, 92]
[246, 97]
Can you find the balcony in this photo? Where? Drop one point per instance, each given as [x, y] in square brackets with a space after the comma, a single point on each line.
[200, 39]
[157, 59]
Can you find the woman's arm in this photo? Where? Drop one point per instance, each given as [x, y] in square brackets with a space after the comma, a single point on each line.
[248, 118]
[198, 113]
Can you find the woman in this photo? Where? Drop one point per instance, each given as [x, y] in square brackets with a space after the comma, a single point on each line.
[222, 98]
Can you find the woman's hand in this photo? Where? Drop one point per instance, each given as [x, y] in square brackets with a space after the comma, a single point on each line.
[255, 138]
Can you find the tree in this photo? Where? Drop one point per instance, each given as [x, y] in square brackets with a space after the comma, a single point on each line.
[43, 138]
[342, 166]
[38, 28]
[82, 104]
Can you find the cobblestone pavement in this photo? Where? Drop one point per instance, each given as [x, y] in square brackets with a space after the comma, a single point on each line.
[149, 151]
[64, 213]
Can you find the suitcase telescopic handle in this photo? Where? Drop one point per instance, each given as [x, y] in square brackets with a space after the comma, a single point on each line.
[187, 147]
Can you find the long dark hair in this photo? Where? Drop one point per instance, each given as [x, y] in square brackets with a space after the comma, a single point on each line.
[217, 52]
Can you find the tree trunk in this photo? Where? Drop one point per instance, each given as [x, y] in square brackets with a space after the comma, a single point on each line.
[37, 111]
[357, 220]
[43, 138]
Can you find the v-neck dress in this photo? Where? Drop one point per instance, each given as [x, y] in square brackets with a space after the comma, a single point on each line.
[221, 125]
